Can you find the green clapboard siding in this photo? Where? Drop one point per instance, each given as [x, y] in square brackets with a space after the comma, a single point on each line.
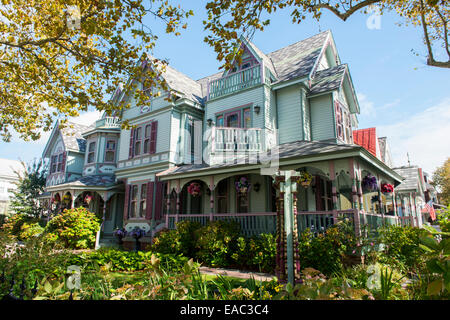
[322, 119]
[289, 114]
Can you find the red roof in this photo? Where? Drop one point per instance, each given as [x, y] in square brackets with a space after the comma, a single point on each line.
[366, 138]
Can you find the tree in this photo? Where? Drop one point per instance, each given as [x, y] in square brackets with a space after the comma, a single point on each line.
[31, 184]
[441, 181]
[60, 57]
[229, 19]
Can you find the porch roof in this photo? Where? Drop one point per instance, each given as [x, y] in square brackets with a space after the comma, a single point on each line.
[312, 150]
[411, 175]
[88, 182]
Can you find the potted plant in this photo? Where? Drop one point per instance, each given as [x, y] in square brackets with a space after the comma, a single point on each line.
[243, 185]
[305, 179]
[370, 183]
[194, 189]
[120, 234]
[88, 198]
[387, 188]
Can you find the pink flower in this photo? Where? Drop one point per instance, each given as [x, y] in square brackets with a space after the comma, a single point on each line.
[371, 244]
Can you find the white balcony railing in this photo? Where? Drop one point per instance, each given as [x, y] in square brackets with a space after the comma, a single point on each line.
[234, 82]
[236, 139]
[108, 122]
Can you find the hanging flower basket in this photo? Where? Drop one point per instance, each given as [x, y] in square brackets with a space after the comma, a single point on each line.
[369, 183]
[387, 188]
[194, 189]
[88, 198]
[305, 179]
[66, 198]
[243, 185]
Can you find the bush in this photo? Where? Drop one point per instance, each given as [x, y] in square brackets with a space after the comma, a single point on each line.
[257, 253]
[216, 243]
[75, 228]
[118, 260]
[444, 219]
[178, 241]
[23, 227]
[327, 251]
[400, 247]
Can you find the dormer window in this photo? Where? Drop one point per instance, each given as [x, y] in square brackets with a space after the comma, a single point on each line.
[91, 152]
[110, 152]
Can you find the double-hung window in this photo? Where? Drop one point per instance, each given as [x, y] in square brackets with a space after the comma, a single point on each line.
[138, 200]
[137, 141]
[57, 163]
[91, 152]
[147, 135]
[110, 152]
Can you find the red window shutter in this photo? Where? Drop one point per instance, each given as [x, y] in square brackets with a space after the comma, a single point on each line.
[153, 136]
[126, 201]
[131, 151]
[159, 199]
[319, 194]
[63, 165]
[148, 214]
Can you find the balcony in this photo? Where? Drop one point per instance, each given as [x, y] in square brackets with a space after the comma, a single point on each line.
[236, 139]
[108, 123]
[234, 82]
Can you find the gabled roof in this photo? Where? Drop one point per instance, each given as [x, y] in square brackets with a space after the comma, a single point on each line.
[328, 79]
[181, 83]
[411, 175]
[298, 59]
[71, 135]
[366, 138]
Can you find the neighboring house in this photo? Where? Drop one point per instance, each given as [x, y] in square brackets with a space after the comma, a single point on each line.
[292, 109]
[8, 182]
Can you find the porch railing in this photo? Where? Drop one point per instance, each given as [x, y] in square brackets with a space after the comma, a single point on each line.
[236, 139]
[320, 221]
[235, 82]
[252, 224]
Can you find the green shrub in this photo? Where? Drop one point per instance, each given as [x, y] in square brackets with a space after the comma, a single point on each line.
[23, 227]
[400, 247]
[216, 243]
[327, 251]
[75, 228]
[257, 253]
[118, 260]
[444, 219]
[178, 241]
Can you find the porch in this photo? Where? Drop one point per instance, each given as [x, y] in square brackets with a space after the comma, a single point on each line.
[338, 190]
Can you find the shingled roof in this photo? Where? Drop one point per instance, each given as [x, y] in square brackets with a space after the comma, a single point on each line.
[328, 79]
[411, 175]
[286, 151]
[92, 181]
[72, 136]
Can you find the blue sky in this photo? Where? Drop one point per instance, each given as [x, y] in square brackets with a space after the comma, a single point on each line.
[406, 100]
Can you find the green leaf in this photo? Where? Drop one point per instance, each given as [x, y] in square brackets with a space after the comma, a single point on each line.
[435, 288]
[48, 287]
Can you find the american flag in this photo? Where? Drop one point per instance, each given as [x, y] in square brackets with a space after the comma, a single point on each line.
[430, 209]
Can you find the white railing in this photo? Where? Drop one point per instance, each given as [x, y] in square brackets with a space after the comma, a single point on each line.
[236, 139]
[234, 82]
[108, 122]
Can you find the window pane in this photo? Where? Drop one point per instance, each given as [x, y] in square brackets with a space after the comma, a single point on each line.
[247, 118]
[91, 146]
[109, 156]
[137, 148]
[143, 191]
[91, 157]
[134, 193]
[137, 135]
[60, 157]
[233, 120]
[142, 209]
[111, 145]
[219, 121]
[147, 130]
[147, 146]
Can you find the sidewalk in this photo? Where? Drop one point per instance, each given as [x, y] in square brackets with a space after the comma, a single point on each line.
[237, 273]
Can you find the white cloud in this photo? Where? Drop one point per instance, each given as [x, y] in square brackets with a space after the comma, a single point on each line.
[366, 106]
[87, 118]
[425, 136]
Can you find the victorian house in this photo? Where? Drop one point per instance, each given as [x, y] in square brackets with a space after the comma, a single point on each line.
[212, 152]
